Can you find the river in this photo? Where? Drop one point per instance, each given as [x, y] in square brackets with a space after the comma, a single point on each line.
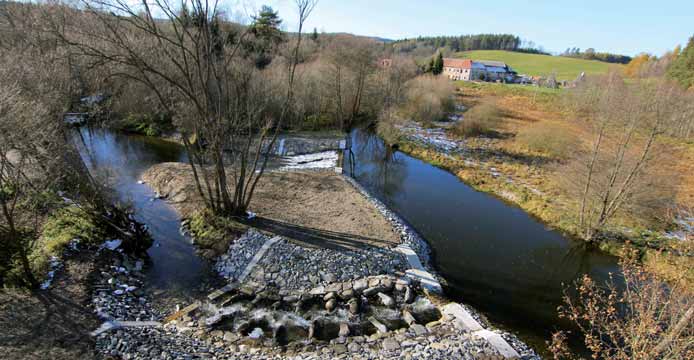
[174, 273]
[492, 255]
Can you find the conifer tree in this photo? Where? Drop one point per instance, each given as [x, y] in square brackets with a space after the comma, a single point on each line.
[437, 67]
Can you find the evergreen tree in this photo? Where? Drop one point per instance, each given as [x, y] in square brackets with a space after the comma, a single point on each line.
[682, 68]
[432, 65]
[266, 25]
[314, 36]
[437, 68]
[266, 29]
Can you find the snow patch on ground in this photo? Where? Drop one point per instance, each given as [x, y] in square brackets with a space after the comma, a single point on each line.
[685, 231]
[321, 160]
[112, 244]
[55, 264]
[436, 138]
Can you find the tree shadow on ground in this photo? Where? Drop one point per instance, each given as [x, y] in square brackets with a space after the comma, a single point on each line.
[52, 323]
[312, 237]
[45, 323]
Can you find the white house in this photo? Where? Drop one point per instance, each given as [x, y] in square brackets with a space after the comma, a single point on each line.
[466, 69]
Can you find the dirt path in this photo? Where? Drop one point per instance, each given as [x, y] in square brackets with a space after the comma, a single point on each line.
[317, 208]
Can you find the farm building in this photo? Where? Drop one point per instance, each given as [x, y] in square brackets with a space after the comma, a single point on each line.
[466, 69]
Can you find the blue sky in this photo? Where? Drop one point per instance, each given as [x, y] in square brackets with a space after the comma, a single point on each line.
[626, 27]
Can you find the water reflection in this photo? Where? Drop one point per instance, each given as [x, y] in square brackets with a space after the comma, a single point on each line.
[120, 159]
[493, 255]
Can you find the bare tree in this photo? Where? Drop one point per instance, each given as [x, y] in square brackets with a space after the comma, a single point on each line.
[35, 154]
[202, 69]
[350, 62]
[618, 172]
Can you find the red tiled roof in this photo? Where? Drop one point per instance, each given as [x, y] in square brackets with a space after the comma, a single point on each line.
[457, 63]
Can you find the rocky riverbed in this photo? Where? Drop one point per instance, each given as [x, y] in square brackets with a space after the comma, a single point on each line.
[318, 304]
[381, 317]
[291, 266]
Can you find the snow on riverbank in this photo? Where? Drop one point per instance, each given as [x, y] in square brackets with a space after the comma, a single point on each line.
[436, 138]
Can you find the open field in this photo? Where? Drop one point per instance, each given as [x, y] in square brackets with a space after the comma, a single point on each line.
[541, 65]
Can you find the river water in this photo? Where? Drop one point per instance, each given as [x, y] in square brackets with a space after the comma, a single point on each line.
[493, 255]
[175, 270]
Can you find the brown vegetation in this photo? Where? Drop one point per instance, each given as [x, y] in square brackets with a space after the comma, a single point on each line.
[204, 71]
[428, 98]
[482, 119]
[638, 318]
[555, 140]
[36, 157]
[619, 170]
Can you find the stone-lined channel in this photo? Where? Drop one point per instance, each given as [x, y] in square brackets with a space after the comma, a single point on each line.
[492, 255]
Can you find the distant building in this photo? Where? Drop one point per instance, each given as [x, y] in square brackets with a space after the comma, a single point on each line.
[467, 70]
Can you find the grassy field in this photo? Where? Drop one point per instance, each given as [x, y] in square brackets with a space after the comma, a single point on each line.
[541, 65]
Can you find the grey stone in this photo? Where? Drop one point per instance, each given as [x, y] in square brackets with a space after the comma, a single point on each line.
[230, 337]
[339, 349]
[378, 325]
[418, 329]
[354, 306]
[407, 316]
[347, 294]
[386, 300]
[329, 296]
[344, 329]
[360, 285]
[390, 344]
[330, 305]
[372, 291]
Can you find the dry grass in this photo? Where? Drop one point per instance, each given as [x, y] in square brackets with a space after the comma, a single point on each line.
[536, 137]
[553, 139]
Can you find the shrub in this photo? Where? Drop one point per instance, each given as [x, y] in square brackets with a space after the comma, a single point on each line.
[638, 317]
[214, 232]
[551, 140]
[479, 120]
[316, 122]
[429, 99]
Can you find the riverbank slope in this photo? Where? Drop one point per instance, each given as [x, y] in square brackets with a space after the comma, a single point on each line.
[521, 160]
